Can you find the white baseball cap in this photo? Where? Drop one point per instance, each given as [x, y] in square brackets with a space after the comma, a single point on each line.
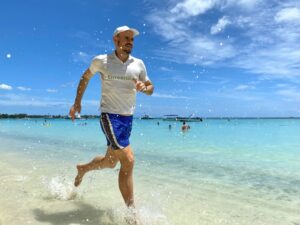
[125, 28]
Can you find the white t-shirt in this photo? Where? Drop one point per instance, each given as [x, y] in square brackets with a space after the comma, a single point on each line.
[118, 87]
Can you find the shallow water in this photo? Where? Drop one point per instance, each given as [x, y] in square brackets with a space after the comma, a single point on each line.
[219, 172]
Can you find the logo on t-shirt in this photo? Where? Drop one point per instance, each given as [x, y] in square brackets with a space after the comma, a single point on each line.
[115, 77]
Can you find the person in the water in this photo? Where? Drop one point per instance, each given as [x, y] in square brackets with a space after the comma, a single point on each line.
[185, 126]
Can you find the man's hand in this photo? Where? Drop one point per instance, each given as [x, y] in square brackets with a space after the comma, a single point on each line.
[139, 85]
[75, 108]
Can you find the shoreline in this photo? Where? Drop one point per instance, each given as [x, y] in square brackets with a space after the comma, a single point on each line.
[17, 116]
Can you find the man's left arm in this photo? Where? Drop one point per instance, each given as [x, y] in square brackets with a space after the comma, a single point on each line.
[144, 84]
[145, 87]
[149, 88]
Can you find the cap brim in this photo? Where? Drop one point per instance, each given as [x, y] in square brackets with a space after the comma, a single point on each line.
[135, 31]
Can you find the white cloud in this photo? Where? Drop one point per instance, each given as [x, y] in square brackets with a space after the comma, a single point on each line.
[187, 44]
[288, 15]
[243, 21]
[24, 100]
[166, 69]
[221, 25]
[199, 50]
[282, 85]
[259, 44]
[190, 8]
[51, 90]
[243, 87]
[5, 87]
[82, 57]
[157, 95]
[36, 101]
[244, 4]
[281, 61]
[24, 88]
[165, 26]
[291, 94]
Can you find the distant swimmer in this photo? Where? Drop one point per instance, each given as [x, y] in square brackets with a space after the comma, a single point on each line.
[46, 124]
[122, 77]
[170, 126]
[185, 127]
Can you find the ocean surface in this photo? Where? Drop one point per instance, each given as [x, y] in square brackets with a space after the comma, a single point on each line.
[220, 172]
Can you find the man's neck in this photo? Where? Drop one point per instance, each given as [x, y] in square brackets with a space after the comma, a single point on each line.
[122, 55]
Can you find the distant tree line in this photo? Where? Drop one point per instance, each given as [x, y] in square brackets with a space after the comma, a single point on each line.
[13, 116]
[23, 115]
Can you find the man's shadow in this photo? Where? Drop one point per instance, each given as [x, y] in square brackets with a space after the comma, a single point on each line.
[84, 214]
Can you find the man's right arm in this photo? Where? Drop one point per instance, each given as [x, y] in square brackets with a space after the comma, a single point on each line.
[80, 91]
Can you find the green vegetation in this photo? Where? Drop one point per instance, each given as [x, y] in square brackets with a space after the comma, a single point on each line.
[22, 116]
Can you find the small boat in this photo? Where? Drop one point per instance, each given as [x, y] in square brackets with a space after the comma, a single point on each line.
[190, 119]
[170, 117]
[181, 119]
[146, 117]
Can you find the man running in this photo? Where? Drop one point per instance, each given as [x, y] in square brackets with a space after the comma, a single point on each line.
[122, 75]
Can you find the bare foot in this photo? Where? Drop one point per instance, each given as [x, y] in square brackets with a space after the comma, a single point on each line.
[79, 176]
[133, 221]
[132, 217]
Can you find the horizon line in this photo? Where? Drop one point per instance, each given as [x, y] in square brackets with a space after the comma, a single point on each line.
[24, 115]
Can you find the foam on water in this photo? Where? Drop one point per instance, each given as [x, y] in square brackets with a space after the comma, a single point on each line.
[144, 215]
[150, 216]
[60, 188]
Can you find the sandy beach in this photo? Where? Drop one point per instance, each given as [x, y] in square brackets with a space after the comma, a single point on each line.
[213, 187]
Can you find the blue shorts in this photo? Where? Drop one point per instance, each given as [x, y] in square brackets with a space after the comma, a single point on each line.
[117, 129]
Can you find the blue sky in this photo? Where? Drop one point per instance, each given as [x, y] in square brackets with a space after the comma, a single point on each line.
[205, 57]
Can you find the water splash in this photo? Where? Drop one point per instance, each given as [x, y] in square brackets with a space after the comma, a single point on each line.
[140, 216]
[150, 216]
[60, 188]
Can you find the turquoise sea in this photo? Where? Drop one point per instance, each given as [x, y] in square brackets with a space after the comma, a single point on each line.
[220, 172]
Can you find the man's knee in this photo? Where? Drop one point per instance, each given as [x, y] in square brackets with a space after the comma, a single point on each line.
[126, 157]
[128, 162]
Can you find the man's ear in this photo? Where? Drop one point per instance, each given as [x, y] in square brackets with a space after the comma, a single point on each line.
[115, 39]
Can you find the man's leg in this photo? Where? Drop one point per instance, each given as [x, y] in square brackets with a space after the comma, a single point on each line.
[126, 158]
[99, 162]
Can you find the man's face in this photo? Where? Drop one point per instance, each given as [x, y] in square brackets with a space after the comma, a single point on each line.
[124, 41]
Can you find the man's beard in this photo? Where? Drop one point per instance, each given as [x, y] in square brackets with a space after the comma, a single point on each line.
[126, 51]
